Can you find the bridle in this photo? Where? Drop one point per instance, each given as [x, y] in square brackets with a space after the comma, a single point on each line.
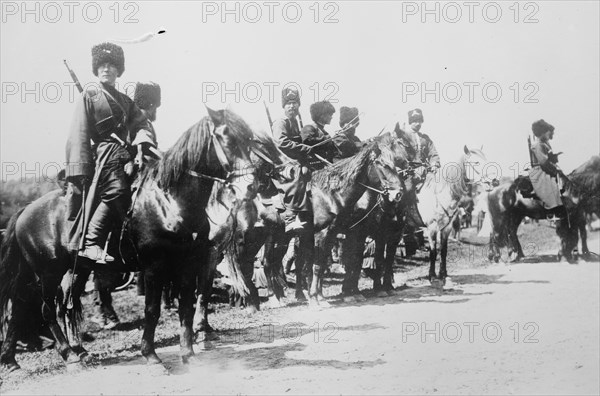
[230, 173]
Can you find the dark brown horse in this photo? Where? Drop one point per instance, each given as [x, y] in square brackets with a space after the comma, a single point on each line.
[585, 182]
[168, 229]
[380, 219]
[335, 190]
[509, 203]
[235, 237]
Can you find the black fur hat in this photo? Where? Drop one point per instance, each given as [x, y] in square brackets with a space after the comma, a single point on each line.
[319, 108]
[415, 115]
[108, 52]
[540, 127]
[348, 114]
[146, 94]
[289, 94]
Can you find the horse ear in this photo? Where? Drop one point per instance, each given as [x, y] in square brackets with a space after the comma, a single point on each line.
[215, 116]
[467, 151]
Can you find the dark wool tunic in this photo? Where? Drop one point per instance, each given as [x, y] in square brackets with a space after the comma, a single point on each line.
[295, 190]
[97, 116]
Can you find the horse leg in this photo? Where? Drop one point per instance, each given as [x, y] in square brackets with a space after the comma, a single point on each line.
[583, 235]
[186, 312]
[274, 267]
[390, 257]
[443, 254]
[515, 245]
[154, 287]
[72, 316]
[432, 255]
[252, 299]
[204, 283]
[9, 346]
[304, 261]
[103, 282]
[322, 248]
[49, 287]
[350, 258]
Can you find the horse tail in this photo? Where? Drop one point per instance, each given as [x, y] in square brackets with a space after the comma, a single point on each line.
[236, 273]
[10, 263]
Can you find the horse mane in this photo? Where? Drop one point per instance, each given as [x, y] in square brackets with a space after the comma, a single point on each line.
[266, 142]
[343, 174]
[185, 154]
[586, 177]
[191, 151]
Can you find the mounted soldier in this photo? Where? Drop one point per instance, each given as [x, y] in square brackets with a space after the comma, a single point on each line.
[346, 142]
[423, 153]
[147, 97]
[545, 169]
[315, 134]
[420, 145]
[296, 198]
[105, 123]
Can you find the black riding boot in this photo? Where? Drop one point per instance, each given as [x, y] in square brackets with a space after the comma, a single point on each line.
[97, 234]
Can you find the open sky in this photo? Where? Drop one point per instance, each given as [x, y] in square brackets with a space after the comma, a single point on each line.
[482, 72]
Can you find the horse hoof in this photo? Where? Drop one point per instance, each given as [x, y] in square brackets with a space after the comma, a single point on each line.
[250, 310]
[349, 299]
[324, 304]
[436, 283]
[189, 359]
[157, 369]
[382, 293]
[203, 328]
[300, 297]
[10, 367]
[360, 298]
[204, 336]
[153, 359]
[75, 367]
[313, 304]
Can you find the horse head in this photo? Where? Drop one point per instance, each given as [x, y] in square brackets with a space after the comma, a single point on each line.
[231, 140]
[383, 174]
[474, 167]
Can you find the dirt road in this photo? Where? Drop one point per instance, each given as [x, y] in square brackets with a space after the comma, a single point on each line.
[524, 328]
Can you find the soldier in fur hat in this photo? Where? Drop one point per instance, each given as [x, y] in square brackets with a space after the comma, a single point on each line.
[296, 195]
[545, 168]
[105, 123]
[147, 97]
[418, 144]
[321, 113]
[346, 142]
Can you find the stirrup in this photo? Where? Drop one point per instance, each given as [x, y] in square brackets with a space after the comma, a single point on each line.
[96, 254]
